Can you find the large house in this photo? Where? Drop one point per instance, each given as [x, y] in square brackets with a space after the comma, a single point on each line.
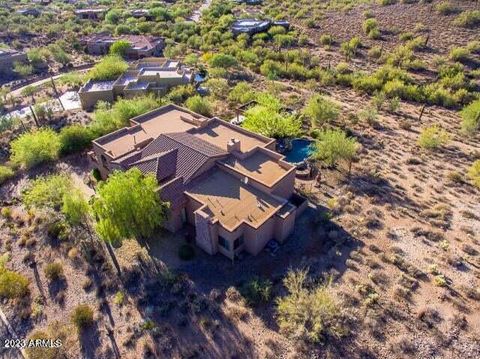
[148, 75]
[140, 45]
[225, 181]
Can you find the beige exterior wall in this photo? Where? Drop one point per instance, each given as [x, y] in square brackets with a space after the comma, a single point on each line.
[90, 99]
[256, 239]
[284, 226]
[174, 220]
[285, 187]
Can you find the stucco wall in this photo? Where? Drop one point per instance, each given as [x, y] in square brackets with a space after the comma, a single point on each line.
[90, 99]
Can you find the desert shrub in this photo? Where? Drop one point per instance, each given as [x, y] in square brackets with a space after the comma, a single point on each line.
[433, 137]
[307, 314]
[224, 61]
[242, 93]
[469, 18]
[75, 138]
[47, 191]
[12, 285]
[369, 115]
[109, 68]
[186, 252]
[326, 40]
[440, 281]
[82, 316]
[370, 27]
[386, 2]
[349, 48]
[199, 105]
[180, 94]
[119, 298]
[459, 54]
[375, 52]
[60, 333]
[445, 8]
[120, 48]
[471, 117]
[256, 291]
[5, 174]
[321, 110]
[35, 147]
[53, 271]
[474, 173]
[6, 212]
[58, 230]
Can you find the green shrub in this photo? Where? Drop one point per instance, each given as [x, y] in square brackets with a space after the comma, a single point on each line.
[445, 8]
[186, 252]
[474, 173]
[224, 61]
[433, 137]
[12, 285]
[375, 52]
[471, 118]
[119, 298]
[58, 230]
[75, 138]
[386, 2]
[47, 191]
[35, 147]
[5, 174]
[459, 54]
[242, 93]
[370, 27]
[6, 212]
[53, 271]
[120, 48]
[199, 105]
[256, 291]
[82, 316]
[326, 40]
[349, 48]
[109, 68]
[469, 18]
[321, 110]
[333, 146]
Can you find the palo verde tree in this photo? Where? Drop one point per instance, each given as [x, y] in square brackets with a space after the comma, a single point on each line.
[128, 205]
[267, 118]
[321, 110]
[333, 146]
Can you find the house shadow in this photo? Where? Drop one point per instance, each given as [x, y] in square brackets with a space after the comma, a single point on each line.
[179, 301]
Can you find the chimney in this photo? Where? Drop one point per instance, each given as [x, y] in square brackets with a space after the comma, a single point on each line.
[233, 145]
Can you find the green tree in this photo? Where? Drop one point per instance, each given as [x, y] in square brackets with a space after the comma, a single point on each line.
[474, 173]
[128, 205]
[224, 61]
[35, 147]
[82, 316]
[5, 174]
[109, 68]
[268, 119]
[76, 208]
[321, 110]
[113, 16]
[333, 146]
[199, 105]
[47, 191]
[242, 93]
[75, 138]
[120, 48]
[471, 117]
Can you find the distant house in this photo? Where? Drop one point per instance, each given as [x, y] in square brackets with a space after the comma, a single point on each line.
[148, 75]
[139, 13]
[42, 2]
[223, 180]
[28, 12]
[8, 57]
[91, 13]
[141, 45]
[250, 2]
[255, 26]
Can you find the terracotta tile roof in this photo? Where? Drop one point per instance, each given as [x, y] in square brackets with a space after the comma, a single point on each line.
[192, 152]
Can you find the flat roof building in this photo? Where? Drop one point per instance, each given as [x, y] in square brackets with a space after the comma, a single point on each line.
[225, 181]
[91, 13]
[140, 45]
[8, 57]
[150, 75]
[255, 26]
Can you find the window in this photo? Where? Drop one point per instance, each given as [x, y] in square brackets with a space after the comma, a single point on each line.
[238, 242]
[224, 243]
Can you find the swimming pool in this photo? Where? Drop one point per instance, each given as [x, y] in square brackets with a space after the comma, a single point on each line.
[301, 149]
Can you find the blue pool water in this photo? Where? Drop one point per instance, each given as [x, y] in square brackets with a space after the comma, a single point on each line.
[301, 149]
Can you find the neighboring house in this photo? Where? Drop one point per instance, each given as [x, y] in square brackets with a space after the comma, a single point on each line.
[91, 14]
[250, 2]
[8, 57]
[29, 12]
[148, 75]
[139, 13]
[141, 45]
[225, 181]
[254, 26]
